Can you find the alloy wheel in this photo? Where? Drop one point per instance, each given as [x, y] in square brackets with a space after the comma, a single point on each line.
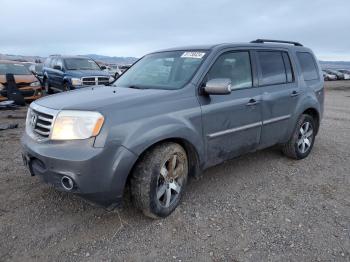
[170, 179]
[305, 137]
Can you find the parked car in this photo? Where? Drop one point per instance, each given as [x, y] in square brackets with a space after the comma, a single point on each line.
[172, 115]
[117, 70]
[28, 85]
[64, 73]
[346, 73]
[339, 75]
[37, 70]
[329, 77]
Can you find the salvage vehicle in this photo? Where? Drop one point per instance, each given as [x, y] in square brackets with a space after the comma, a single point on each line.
[346, 73]
[339, 75]
[28, 85]
[173, 114]
[64, 73]
[329, 77]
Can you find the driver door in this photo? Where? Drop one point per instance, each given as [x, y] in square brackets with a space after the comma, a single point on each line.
[232, 123]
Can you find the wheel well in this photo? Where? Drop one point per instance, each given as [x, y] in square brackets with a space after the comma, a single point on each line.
[192, 154]
[314, 114]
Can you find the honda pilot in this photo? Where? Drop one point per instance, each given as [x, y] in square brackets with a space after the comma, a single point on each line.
[173, 114]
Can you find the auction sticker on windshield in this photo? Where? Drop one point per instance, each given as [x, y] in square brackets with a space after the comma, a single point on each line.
[198, 55]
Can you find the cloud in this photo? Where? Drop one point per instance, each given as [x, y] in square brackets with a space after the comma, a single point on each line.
[133, 28]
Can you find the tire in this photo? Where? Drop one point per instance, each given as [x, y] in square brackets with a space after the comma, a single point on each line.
[301, 143]
[47, 88]
[66, 87]
[159, 179]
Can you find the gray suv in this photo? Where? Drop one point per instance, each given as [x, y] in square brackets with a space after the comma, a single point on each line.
[173, 114]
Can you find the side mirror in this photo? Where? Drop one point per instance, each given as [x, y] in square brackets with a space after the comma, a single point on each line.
[57, 67]
[103, 67]
[218, 86]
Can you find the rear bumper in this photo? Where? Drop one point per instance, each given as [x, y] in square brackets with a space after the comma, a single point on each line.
[99, 174]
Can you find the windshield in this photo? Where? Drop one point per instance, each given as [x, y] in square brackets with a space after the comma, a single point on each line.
[81, 64]
[15, 69]
[166, 70]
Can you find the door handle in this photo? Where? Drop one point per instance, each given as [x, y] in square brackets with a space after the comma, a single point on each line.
[294, 93]
[252, 102]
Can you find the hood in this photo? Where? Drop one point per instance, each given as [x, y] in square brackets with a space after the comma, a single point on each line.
[101, 97]
[83, 73]
[20, 78]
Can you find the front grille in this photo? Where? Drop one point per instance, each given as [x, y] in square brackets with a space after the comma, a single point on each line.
[95, 80]
[40, 121]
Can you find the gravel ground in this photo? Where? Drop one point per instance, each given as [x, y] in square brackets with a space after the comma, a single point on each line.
[259, 207]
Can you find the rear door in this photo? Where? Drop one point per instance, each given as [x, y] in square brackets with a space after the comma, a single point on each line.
[280, 94]
[231, 123]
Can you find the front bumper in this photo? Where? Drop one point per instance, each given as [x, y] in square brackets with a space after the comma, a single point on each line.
[99, 174]
[29, 93]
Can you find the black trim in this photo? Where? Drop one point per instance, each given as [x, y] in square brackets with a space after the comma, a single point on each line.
[262, 41]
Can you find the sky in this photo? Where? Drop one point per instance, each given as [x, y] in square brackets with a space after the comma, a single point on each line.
[134, 28]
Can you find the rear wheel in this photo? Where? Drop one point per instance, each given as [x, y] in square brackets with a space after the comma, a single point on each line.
[300, 144]
[159, 179]
[47, 88]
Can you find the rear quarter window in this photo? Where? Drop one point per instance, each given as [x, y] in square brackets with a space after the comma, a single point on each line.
[308, 66]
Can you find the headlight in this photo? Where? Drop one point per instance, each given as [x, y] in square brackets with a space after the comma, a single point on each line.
[71, 125]
[76, 82]
[37, 83]
[2, 86]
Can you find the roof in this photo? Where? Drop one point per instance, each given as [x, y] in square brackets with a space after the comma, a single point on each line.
[255, 43]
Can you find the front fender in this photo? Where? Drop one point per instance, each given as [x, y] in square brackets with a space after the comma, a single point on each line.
[152, 131]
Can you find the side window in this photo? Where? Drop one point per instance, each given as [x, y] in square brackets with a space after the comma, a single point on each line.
[53, 62]
[235, 66]
[308, 66]
[288, 66]
[272, 68]
[59, 62]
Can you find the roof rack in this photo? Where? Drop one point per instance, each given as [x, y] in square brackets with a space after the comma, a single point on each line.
[261, 41]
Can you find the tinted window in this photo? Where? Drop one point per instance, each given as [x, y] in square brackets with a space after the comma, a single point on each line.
[272, 68]
[288, 66]
[81, 64]
[308, 66]
[235, 66]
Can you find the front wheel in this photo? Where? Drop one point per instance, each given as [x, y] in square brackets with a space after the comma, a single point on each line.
[300, 144]
[159, 179]
[47, 88]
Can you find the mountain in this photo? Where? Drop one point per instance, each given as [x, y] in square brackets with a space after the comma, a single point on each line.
[120, 60]
[99, 58]
[335, 64]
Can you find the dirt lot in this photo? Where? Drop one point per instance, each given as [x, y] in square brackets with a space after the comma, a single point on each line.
[259, 207]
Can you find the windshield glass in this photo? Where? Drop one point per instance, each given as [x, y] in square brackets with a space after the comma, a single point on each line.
[166, 70]
[16, 69]
[81, 64]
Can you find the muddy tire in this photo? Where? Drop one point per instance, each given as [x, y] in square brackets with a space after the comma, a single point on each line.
[301, 143]
[159, 179]
[47, 88]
